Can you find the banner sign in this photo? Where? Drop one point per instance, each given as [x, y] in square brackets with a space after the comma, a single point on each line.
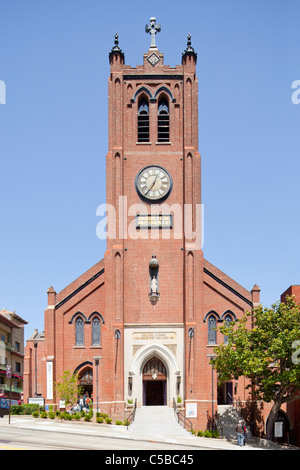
[4, 403]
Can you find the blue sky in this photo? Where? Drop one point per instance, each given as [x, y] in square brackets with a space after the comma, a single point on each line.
[53, 135]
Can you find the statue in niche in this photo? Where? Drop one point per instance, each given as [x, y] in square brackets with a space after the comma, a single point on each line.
[154, 285]
[154, 280]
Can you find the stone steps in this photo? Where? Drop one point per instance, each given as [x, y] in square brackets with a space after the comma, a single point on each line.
[157, 421]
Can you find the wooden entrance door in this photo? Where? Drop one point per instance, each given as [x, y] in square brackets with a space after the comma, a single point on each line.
[154, 383]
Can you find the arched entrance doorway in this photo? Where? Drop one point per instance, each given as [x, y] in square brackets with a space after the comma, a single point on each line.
[85, 381]
[154, 383]
[282, 428]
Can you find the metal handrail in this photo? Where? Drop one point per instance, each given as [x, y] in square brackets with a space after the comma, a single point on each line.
[180, 417]
[131, 417]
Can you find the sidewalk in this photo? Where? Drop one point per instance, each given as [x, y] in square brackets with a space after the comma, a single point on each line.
[121, 432]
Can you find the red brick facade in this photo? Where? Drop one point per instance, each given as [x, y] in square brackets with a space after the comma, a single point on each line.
[193, 294]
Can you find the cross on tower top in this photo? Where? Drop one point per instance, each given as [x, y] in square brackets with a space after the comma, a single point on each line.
[152, 28]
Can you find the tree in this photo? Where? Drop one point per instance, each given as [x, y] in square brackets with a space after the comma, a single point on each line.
[67, 388]
[262, 347]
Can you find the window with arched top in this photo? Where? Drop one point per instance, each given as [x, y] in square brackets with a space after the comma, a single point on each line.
[79, 331]
[163, 121]
[96, 331]
[211, 327]
[143, 120]
[227, 320]
[154, 366]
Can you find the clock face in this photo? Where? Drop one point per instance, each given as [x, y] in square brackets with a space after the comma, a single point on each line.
[153, 183]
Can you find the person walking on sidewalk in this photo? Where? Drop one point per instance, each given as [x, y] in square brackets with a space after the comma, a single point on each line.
[240, 430]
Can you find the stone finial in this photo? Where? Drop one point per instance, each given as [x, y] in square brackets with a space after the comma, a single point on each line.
[189, 48]
[116, 48]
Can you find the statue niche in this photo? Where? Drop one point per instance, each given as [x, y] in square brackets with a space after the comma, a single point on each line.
[154, 280]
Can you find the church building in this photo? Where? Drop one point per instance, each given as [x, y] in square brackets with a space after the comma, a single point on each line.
[141, 323]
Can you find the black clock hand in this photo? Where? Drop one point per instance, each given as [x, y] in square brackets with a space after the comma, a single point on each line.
[151, 186]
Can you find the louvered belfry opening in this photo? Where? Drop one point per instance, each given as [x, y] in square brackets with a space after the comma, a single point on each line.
[143, 120]
[163, 121]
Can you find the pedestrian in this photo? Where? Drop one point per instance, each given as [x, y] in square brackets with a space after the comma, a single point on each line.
[240, 430]
[87, 401]
[81, 403]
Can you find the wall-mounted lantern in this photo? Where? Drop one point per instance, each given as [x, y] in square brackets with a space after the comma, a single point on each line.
[130, 383]
[178, 384]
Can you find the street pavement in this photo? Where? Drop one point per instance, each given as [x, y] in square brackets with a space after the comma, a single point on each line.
[75, 435]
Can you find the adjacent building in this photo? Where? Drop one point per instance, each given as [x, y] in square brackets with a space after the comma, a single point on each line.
[11, 354]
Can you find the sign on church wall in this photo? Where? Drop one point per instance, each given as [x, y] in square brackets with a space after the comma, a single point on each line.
[191, 410]
[154, 221]
[49, 380]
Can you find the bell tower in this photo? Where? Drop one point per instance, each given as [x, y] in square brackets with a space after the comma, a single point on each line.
[153, 261]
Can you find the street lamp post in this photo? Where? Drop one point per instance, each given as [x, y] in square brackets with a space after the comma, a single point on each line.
[212, 356]
[97, 366]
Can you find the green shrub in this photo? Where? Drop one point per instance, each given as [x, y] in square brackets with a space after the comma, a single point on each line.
[35, 414]
[25, 409]
[126, 423]
[16, 409]
[118, 423]
[200, 433]
[44, 414]
[108, 420]
[77, 416]
[66, 416]
[99, 419]
[51, 415]
[88, 417]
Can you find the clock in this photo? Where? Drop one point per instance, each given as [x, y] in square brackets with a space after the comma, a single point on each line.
[153, 183]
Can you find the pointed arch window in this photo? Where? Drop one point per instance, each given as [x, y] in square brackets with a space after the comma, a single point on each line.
[79, 331]
[96, 331]
[143, 120]
[228, 319]
[163, 121]
[211, 326]
[155, 366]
